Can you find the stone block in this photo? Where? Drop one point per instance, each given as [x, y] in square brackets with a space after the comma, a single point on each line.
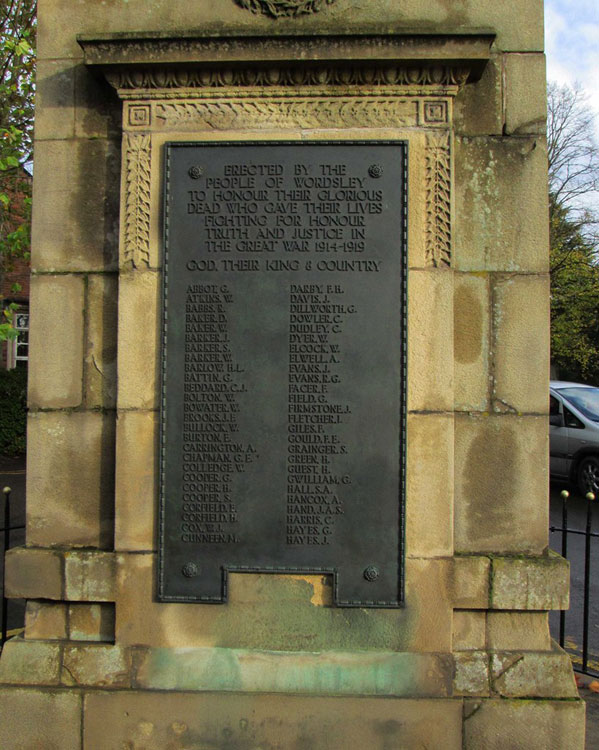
[530, 674]
[250, 588]
[33, 574]
[510, 631]
[91, 622]
[471, 339]
[97, 106]
[418, 203]
[40, 719]
[70, 484]
[521, 346]
[56, 342]
[302, 624]
[75, 205]
[100, 343]
[428, 588]
[430, 340]
[429, 510]
[155, 721]
[471, 582]
[89, 576]
[471, 673]
[136, 481]
[478, 108]
[530, 583]
[96, 665]
[501, 188]
[30, 662]
[138, 352]
[344, 17]
[500, 486]
[469, 630]
[45, 621]
[523, 725]
[154, 243]
[525, 94]
[54, 100]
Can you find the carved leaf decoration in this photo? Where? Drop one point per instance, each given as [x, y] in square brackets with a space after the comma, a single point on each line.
[379, 74]
[308, 113]
[438, 194]
[280, 8]
[137, 205]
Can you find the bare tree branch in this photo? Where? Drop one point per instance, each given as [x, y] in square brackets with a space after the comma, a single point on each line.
[573, 152]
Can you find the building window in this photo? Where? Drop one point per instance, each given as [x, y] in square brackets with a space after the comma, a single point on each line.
[18, 349]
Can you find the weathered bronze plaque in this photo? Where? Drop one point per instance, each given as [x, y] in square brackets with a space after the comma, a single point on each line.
[283, 366]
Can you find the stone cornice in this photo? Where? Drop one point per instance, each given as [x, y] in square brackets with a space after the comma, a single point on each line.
[420, 59]
[340, 76]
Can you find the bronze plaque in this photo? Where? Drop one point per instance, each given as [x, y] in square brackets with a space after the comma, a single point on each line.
[283, 424]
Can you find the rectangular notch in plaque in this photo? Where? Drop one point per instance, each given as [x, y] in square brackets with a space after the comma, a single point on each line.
[283, 366]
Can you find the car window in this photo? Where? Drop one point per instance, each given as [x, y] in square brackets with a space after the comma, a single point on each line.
[586, 400]
[571, 421]
[553, 405]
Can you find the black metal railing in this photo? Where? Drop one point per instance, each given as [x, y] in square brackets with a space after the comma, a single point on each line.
[588, 535]
[5, 531]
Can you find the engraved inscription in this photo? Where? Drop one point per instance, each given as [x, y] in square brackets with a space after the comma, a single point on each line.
[283, 366]
[317, 317]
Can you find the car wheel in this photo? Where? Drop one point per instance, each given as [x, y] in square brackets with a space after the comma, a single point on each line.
[588, 475]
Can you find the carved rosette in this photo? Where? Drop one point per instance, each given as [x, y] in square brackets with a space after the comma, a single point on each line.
[438, 199]
[284, 8]
[136, 247]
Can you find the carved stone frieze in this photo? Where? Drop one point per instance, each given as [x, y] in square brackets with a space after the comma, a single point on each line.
[282, 8]
[317, 112]
[438, 199]
[136, 240]
[216, 114]
[323, 76]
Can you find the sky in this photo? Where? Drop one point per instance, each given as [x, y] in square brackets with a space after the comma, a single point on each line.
[572, 44]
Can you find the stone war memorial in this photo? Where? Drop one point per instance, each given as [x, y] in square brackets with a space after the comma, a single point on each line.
[287, 478]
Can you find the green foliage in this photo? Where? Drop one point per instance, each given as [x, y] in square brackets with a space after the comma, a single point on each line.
[7, 330]
[13, 403]
[17, 88]
[17, 85]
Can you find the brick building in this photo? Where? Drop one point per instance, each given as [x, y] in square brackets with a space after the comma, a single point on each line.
[14, 281]
[15, 352]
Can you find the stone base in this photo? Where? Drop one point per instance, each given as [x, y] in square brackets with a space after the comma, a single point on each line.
[243, 699]
[46, 718]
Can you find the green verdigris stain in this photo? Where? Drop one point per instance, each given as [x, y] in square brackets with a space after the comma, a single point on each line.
[333, 673]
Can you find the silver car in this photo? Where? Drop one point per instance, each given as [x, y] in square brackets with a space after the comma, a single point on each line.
[574, 434]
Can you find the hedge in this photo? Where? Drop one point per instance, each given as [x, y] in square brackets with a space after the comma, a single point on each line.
[13, 408]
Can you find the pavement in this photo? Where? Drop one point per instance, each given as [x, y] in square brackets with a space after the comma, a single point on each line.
[12, 474]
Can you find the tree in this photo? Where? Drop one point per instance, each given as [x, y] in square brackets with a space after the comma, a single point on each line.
[573, 205]
[17, 67]
[572, 151]
[574, 300]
